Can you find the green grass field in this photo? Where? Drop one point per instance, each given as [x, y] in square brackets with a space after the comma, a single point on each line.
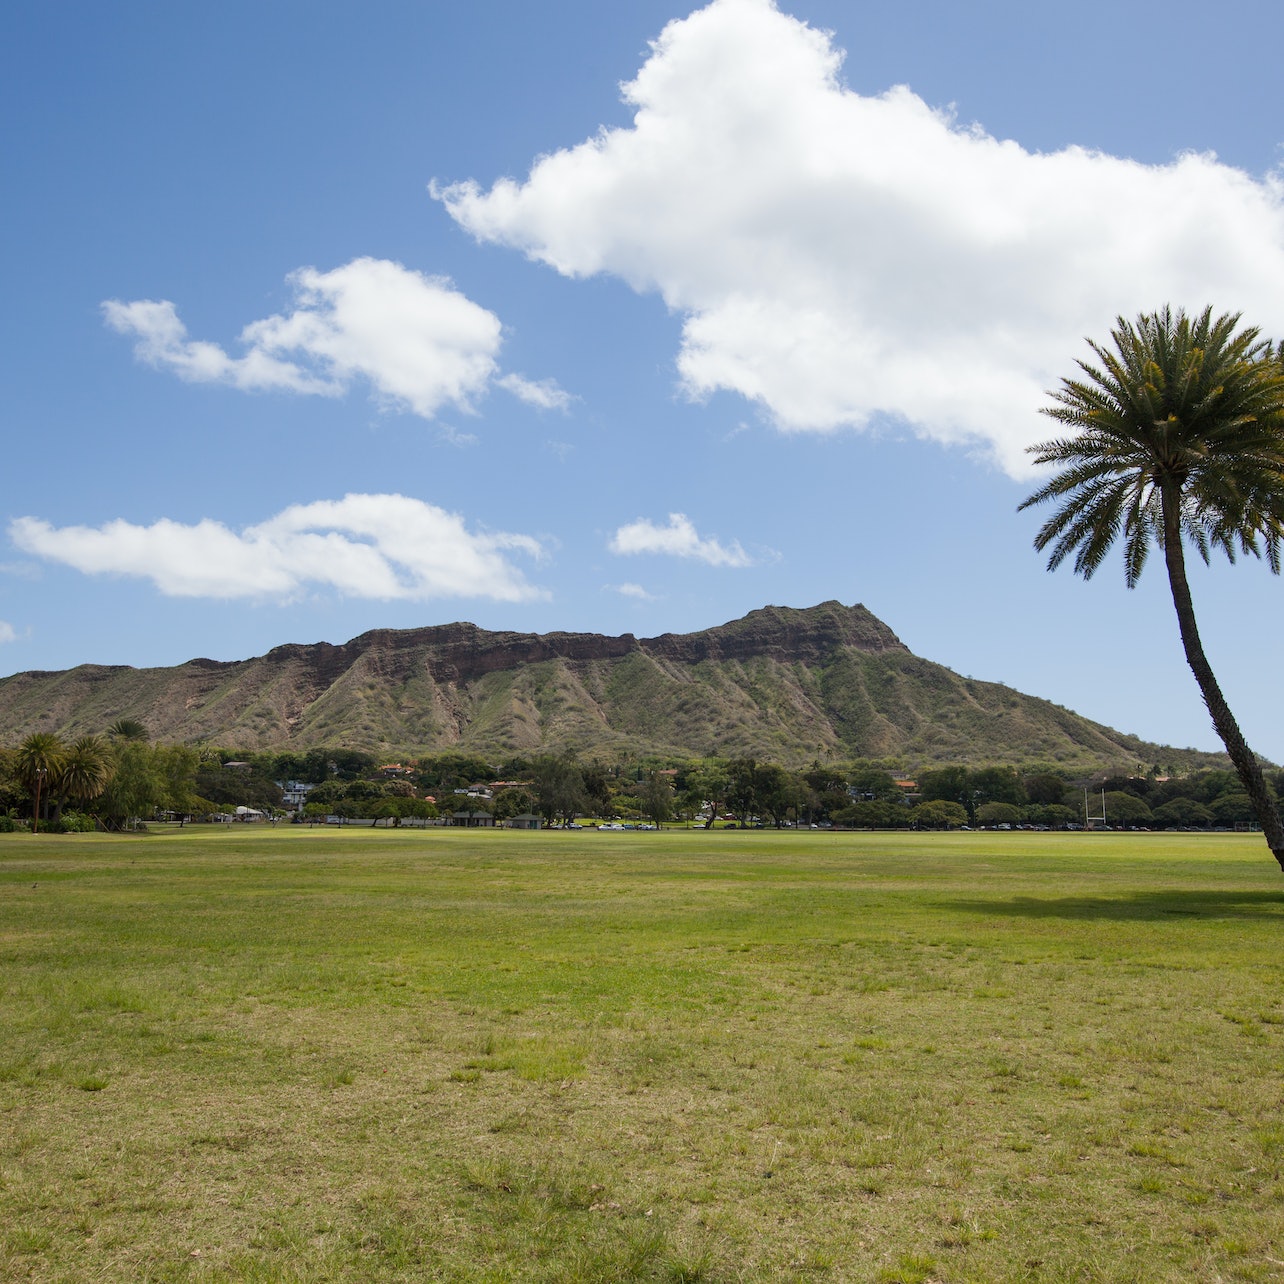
[322, 1055]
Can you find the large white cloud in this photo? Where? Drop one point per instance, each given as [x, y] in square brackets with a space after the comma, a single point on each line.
[368, 546]
[835, 256]
[678, 539]
[417, 341]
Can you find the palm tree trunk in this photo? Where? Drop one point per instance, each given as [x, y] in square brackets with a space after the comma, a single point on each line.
[1243, 758]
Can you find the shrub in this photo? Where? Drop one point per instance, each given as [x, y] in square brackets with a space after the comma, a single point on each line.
[70, 822]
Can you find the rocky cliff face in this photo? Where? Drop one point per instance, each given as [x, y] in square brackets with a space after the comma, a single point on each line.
[463, 652]
[781, 633]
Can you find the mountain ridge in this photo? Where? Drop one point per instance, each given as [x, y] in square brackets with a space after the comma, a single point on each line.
[784, 683]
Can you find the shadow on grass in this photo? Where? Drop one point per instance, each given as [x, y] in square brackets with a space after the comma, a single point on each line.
[1138, 906]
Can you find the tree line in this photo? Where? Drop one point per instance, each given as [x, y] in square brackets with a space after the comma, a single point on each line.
[560, 788]
[119, 778]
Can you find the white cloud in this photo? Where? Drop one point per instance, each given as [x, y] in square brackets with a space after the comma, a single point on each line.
[418, 342]
[834, 256]
[634, 591]
[678, 539]
[368, 546]
[543, 395]
[7, 632]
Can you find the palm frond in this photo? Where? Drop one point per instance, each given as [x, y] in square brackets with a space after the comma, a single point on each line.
[1189, 406]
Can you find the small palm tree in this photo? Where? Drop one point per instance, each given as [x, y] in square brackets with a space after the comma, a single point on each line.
[1178, 435]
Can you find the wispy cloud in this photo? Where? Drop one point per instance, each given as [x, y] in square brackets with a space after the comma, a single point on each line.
[7, 632]
[543, 395]
[365, 546]
[415, 340]
[678, 539]
[632, 590]
[835, 257]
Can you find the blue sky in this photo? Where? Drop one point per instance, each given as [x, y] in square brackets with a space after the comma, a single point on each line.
[321, 319]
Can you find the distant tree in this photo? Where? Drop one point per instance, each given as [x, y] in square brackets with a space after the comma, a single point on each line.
[237, 786]
[517, 800]
[707, 788]
[1054, 815]
[517, 767]
[388, 809]
[826, 793]
[1138, 786]
[1182, 813]
[742, 788]
[948, 784]
[351, 764]
[998, 813]
[446, 771]
[779, 792]
[599, 794]
[825, 780]
[874, 815]
[1045, 787]
[821, 807]
[13, 792]
[656, 798]
[309, 768]
[1127, 810]
[1209, 786]
[559, 787]
[364, 791]
[872, 784]
[328, 792]
[996, 784]
[177, 765]
[939, 814]
[1233, 809]
[137, 786]
[1177, 435]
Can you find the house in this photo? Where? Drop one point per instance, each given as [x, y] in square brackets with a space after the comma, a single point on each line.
[527, 820]
[294, 793]
[472, 819]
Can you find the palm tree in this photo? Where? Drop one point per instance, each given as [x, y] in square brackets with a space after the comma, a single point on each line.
[1179, 435]
[38, 761]
[86, 769]
[127, 729]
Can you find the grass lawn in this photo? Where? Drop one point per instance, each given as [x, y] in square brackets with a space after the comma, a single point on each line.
[424, 1055]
